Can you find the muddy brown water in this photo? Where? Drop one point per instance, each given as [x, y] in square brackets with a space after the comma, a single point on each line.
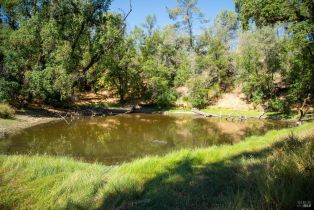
[121, 138]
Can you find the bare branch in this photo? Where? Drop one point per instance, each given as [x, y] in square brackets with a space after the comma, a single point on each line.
[130, 10]
[96, 57]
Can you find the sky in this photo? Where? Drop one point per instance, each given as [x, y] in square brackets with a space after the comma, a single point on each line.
[142, 8]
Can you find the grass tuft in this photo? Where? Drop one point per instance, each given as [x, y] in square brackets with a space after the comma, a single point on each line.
[6, 111]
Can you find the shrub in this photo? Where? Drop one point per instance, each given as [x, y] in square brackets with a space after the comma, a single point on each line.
[166, 98]
[199, 98]
[53, 85]
[6, 111]
[9, 90]
[278, 105]
[199, 92]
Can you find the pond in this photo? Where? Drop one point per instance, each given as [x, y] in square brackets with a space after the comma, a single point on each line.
[121, 138]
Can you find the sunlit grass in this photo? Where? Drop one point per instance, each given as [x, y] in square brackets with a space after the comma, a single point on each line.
[8, 121]
[41, 182]
[6, 111]
[225, 111]
[243, 175]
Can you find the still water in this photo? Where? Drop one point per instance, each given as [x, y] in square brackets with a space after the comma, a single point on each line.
[117, 139]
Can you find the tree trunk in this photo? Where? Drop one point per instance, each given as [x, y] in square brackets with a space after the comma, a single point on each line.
[302, 110]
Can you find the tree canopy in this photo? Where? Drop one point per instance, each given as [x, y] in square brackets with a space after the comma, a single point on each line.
[185, 14]
[51, 49]
[296, 19]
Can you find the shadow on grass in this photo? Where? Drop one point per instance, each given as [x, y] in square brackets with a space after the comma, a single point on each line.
[242, 182]
[278, 115]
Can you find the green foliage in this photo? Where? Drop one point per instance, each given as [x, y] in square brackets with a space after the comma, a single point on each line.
[8, 90]
[276, 105]
[53, 85]
[215, 57]
[188, 12]
[6, 111]
[212, 63]
[158, 88]
[156, 64]
[270, 12]
[296, 23]
[60, 47]
[51, 49]
[166, 98]
[299, 67]
[279, 105]
[150, 24]
[120, 73]
[183, 69]
[199, 92]
[259, 61]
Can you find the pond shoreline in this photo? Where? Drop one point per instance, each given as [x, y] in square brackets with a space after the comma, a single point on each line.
[21, 122]
[37, 116]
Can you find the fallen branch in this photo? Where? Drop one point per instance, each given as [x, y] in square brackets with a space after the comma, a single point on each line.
[130, 111]
[110, 44]
[261, 115]
[64, 118]
[241, 117]
[196, 111]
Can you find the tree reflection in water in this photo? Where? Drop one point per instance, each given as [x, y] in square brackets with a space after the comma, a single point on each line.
[120, 138]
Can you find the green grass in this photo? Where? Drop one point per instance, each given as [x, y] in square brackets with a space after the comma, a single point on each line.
[8, 121]
[46, 182]
[273, 171]
[225, 111]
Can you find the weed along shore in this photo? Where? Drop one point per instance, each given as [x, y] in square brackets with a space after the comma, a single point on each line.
[269, 171]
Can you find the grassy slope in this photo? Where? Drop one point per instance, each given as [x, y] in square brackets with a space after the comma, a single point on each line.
[228, 176]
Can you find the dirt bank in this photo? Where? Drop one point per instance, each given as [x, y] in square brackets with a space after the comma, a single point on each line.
[22, 121]
[35, 116]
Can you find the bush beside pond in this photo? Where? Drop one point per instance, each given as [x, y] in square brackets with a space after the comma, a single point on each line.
[6, 111]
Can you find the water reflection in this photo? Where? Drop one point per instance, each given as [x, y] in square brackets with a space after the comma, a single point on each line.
[120, 138]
